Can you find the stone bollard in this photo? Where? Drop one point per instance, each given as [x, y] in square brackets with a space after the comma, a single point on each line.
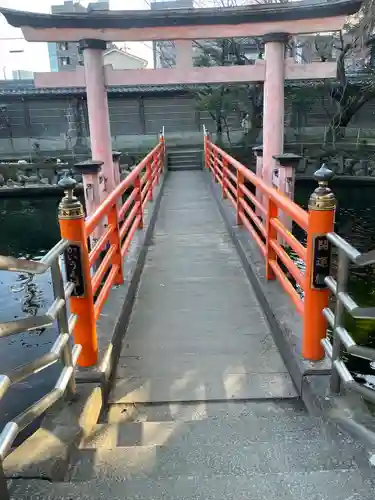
[116, 155]
[258, 151]
[287, 165]
[90, 171]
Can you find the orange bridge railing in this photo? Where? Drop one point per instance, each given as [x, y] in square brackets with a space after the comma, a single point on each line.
[262, 210]
[96, 270]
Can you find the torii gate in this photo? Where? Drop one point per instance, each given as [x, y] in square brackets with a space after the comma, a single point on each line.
[276, 23]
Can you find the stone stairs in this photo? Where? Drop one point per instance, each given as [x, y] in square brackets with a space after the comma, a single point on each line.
[212, 451]
[184, 159]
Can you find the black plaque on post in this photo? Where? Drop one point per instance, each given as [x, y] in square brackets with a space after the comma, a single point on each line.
[73, 268]
[321, 262]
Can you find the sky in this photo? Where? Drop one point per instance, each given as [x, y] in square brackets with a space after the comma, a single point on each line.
[35, 55]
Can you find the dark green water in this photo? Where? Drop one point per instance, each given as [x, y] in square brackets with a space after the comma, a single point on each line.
[29, 229]
[355, 221]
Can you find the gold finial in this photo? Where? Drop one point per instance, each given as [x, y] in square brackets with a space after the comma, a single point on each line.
[70, 207]
[322, 198]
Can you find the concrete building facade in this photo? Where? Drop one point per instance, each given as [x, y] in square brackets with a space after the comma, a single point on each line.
[65, 56]
[22, 74]
[164, 51]
[121, 59]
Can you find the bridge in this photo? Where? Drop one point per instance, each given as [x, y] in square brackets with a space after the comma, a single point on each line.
[204, 393]
[202, 334]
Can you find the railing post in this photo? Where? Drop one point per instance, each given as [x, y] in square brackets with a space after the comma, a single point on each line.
[225, 177]
[115, 240]
[216, 176]
[272, 211]
[158, 166]
[209, 151]
[322, 206]
[155, 166]
[239, 210]
[163, 155]
[62, 322]
[138, 187]
[149, 175]
[205, 145]
[72, 228]
[342, 282]
[258, 151]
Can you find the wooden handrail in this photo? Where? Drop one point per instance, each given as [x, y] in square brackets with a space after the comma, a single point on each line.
[112, 228]
[116, 194]
[294, 211]
[259, 214]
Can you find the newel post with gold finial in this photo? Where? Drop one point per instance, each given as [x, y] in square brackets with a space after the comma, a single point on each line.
[72, 227]
[322, 207]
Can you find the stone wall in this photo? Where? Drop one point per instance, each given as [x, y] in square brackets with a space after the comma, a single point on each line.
[58, 124]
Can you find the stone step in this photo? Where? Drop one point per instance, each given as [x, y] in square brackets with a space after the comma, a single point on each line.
[316, 485]
[243, 431]
[183, 151]
[184, 162]
[164, 388]
[189, 458]
[183, 158]
[191, 368]
[176, 168]
[182, 412]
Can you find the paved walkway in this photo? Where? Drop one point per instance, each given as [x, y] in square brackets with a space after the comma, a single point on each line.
[197, 332]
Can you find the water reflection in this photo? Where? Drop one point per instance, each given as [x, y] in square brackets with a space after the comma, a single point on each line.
[29, 229]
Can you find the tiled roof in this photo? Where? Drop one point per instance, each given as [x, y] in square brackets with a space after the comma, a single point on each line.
[184, 17]
[144, 89]
[29, 89]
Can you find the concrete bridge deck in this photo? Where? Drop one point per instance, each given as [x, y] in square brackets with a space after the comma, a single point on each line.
[197, 332]
[203, 407]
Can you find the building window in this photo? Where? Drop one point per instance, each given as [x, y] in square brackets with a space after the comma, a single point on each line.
[65, 61]
[63, 46]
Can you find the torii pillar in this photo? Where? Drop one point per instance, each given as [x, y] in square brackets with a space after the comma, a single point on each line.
[98, 111]
[273, 101]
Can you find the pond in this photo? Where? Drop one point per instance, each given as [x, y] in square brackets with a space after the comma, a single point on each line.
[355, 218]
[29, 229]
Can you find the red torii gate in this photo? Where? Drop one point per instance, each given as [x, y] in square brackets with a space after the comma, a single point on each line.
[276, 23]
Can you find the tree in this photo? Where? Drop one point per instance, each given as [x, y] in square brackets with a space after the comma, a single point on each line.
[354, 44]
[355, 54]
[222, 101]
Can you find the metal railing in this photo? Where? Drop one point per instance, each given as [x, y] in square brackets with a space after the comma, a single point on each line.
[341, 339]
[91, 274]
[60, 351]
